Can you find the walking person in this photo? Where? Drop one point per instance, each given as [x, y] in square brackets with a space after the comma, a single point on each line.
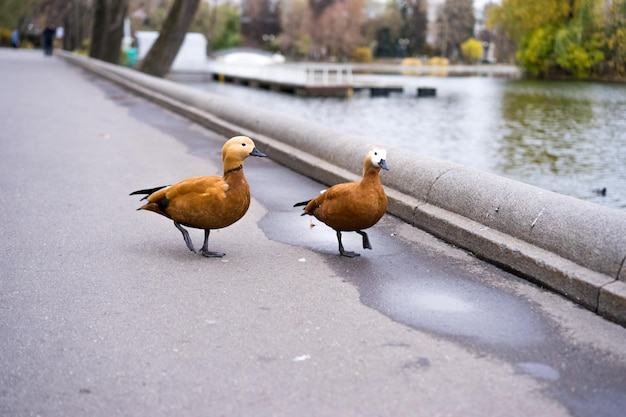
[48, 39]
[15, 39]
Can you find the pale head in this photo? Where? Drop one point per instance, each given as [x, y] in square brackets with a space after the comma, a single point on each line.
[378, 157]
[239, 148]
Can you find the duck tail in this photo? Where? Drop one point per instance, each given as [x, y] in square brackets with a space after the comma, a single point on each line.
[302, 203]
[148, 191]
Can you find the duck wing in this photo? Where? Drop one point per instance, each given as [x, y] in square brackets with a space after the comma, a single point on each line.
[332, 199]
[348, 206]
[182, 193]
[204, 202]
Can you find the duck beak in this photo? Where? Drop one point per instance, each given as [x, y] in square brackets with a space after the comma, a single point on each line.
[383, 165]
[256, 152]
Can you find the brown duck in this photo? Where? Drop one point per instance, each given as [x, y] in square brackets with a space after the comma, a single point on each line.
[207, 202]
[354, 206]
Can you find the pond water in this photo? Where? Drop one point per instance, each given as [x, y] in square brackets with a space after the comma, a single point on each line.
[567, 137]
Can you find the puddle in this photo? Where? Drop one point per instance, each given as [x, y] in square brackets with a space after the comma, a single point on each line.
[538, 370]
[455, 307]
[440, 303]
[433, 293]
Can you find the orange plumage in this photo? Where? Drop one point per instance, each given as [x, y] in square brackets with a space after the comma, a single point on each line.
[354, 206]
[210, 202]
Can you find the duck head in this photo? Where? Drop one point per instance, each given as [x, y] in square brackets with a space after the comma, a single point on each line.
[238, 148]
[377, 157]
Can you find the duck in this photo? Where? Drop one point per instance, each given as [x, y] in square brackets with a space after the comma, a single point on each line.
[353, 206]
[600, 191]
[206, 202]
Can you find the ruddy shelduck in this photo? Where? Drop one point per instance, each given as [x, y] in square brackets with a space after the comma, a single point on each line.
[207, 202]
[354, 206]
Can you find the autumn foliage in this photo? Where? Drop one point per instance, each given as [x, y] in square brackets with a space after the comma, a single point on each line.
[566, 38]
[472, 50]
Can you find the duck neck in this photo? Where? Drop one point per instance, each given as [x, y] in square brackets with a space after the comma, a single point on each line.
[233, 169]
[232, 164]
[233, 175]
[371, 173]
[370, 169]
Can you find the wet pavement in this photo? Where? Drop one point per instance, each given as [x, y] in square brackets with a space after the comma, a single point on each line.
[105, 312]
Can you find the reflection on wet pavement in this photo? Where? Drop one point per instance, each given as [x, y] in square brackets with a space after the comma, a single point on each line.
[453, 307]
[538, 370]
[415, 289]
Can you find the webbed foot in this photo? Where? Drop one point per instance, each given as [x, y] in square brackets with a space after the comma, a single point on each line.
[343, 252]
[210, 254]
[204, 251]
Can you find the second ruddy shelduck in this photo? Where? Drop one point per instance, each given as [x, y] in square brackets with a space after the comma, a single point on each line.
[353, 206]
[210, 202]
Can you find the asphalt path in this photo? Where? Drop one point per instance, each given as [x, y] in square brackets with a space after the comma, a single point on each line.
[104, 311]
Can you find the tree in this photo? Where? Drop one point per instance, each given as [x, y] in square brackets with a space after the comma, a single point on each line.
[163, 52]
[577, 43]
[415, 24]
[455, 23]
[108, 30]
[295, 22]
[260, 22]
[318, 6]
[504, 48]
[519, 18]
[614, 33]
[472, 50]
[77, 24]
[30, 16]
[337, 31]
[220, 24]
[557, 38]
[384, 30]
[535, 53]
[13, 12]
[226, 33]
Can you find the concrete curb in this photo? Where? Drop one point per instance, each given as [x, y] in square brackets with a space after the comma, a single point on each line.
[571, 246]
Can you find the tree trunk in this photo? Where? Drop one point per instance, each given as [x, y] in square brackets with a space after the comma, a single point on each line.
[108, 30]
[162, 54]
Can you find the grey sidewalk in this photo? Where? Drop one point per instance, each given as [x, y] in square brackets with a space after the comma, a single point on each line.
[105, 312]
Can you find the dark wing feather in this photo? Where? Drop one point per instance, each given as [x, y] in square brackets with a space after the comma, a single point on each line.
[148, 191]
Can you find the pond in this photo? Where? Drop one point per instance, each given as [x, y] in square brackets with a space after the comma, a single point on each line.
[567, 137]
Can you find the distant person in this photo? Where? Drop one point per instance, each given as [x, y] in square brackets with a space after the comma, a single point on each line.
[15, 39]
[48, 39]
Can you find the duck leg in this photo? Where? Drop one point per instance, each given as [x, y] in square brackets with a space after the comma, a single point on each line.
[343, 252]
[204, 251]
[186, 237]
[366, 239]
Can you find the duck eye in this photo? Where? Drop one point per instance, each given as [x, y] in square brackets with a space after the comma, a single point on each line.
[243, 144]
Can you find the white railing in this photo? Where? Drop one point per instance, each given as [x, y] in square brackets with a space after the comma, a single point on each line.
[329, 75]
